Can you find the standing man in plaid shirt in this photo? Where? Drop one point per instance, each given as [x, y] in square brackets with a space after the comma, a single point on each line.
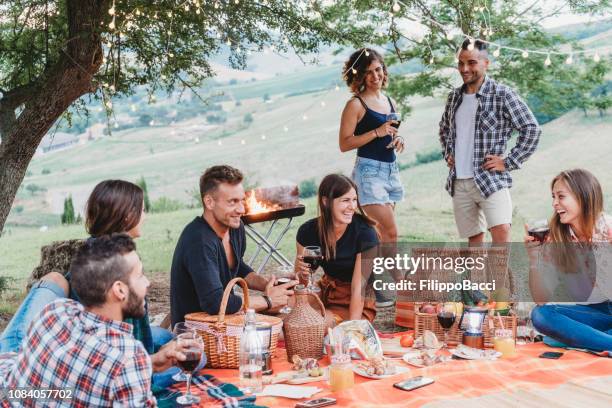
[85, 349]
[478, 120]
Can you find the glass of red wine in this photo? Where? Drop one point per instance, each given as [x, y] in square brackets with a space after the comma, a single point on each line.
[539, 230]
[446, 317]
[284, 271]
[397, 118]
[312, 256]
[178, 329]
[192, 347]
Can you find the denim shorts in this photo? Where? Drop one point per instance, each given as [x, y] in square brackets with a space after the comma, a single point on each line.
[41, 294]
[377, 182]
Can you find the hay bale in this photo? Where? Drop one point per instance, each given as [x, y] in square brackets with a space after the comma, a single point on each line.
[55, 257]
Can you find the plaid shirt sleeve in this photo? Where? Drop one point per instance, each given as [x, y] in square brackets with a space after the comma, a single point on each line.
[445, 127]
[529, 131]
[132, 386]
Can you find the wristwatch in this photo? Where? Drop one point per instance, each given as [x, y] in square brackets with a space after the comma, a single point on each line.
[268, 301]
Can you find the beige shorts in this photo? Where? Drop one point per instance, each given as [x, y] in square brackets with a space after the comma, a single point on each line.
[475, 214]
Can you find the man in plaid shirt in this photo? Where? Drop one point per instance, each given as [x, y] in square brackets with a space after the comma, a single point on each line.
[478, 120]
[85, 347]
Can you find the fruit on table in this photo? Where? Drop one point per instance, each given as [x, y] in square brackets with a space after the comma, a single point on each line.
[428, 308]
[407, 340]
[315, 372]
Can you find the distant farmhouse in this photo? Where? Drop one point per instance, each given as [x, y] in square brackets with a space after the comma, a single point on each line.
[57, 141]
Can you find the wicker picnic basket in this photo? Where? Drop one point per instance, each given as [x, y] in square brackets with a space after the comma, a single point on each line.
[221, 334]
[429, 321]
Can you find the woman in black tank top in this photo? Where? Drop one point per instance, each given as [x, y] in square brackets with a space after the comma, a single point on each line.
[364, 127]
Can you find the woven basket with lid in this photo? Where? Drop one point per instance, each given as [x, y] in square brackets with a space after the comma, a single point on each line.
[304, 328]
[221, 334]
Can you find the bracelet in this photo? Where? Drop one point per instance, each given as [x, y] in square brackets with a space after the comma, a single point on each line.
[268, 301]
[376, 132]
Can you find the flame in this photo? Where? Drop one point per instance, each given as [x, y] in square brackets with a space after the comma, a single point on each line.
[254, 206]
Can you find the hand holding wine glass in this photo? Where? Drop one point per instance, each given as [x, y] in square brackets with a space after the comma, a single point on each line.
[312, 256]
[178, 329]
[192, 346]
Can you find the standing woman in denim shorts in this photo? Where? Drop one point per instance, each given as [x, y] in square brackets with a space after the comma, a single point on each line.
[364, 127]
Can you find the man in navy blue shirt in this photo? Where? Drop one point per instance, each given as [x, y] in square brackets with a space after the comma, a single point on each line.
[210, 250]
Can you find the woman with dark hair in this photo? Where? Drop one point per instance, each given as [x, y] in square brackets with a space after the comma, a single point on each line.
[364, 126]
[343, 232]
[113, 206]
[576, 255]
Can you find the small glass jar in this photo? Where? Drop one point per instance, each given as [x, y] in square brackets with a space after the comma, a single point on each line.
[504, 342]
[341, 376]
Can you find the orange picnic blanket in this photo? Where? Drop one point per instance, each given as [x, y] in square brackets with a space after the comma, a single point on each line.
[461, 379]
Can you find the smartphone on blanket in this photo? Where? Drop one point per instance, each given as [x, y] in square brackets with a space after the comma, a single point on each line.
[316, 403]
[551, 354]
[413, 383]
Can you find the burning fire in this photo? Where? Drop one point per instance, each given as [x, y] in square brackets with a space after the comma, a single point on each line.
[254, 206]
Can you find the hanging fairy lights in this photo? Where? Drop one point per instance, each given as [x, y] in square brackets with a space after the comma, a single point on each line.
[126, 21]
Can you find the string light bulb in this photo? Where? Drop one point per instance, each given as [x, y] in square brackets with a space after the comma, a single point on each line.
[569, 60]
[367, 53]
[285, 128]
[547, 61]
[323, 104]
[431, 60]
[243, 142]
[596, 57]
[263, 137]
[111, 11]
[470, 46]
[111, 25]
[497, 52]
[525, 54]
[220, 143]
[304, 117]
[449, 36]
[337, 88]
[354, 71]
[396, 7]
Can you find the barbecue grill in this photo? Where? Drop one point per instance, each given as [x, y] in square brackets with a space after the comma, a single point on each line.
[273, 204]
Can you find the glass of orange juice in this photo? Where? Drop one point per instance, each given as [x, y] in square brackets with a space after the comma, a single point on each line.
[341, 376]
[504, 342]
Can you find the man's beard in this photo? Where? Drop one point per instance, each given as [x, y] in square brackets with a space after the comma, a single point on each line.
[135, 307]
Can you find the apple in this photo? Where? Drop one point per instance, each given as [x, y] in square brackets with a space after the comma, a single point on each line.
[407, 340]
[428, 308]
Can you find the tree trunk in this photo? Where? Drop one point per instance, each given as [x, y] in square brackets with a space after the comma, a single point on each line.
[47, 99]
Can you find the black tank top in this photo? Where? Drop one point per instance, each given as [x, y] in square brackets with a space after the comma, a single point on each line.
[377, 148]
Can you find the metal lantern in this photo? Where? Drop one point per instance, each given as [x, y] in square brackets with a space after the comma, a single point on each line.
[471, 323]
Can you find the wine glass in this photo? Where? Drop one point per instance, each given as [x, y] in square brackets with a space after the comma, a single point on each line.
[446, 318]
[193, 347]
[312, 256]
[538, 229]
[395, 116]
[284, 271]
[525, 332]
[180, 328]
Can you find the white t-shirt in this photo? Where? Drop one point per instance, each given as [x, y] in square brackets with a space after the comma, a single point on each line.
[465, 123]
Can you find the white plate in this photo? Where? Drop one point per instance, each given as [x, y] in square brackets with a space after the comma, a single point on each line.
[410, 359]
[289, 391]
[361, 372]
[484, 355]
